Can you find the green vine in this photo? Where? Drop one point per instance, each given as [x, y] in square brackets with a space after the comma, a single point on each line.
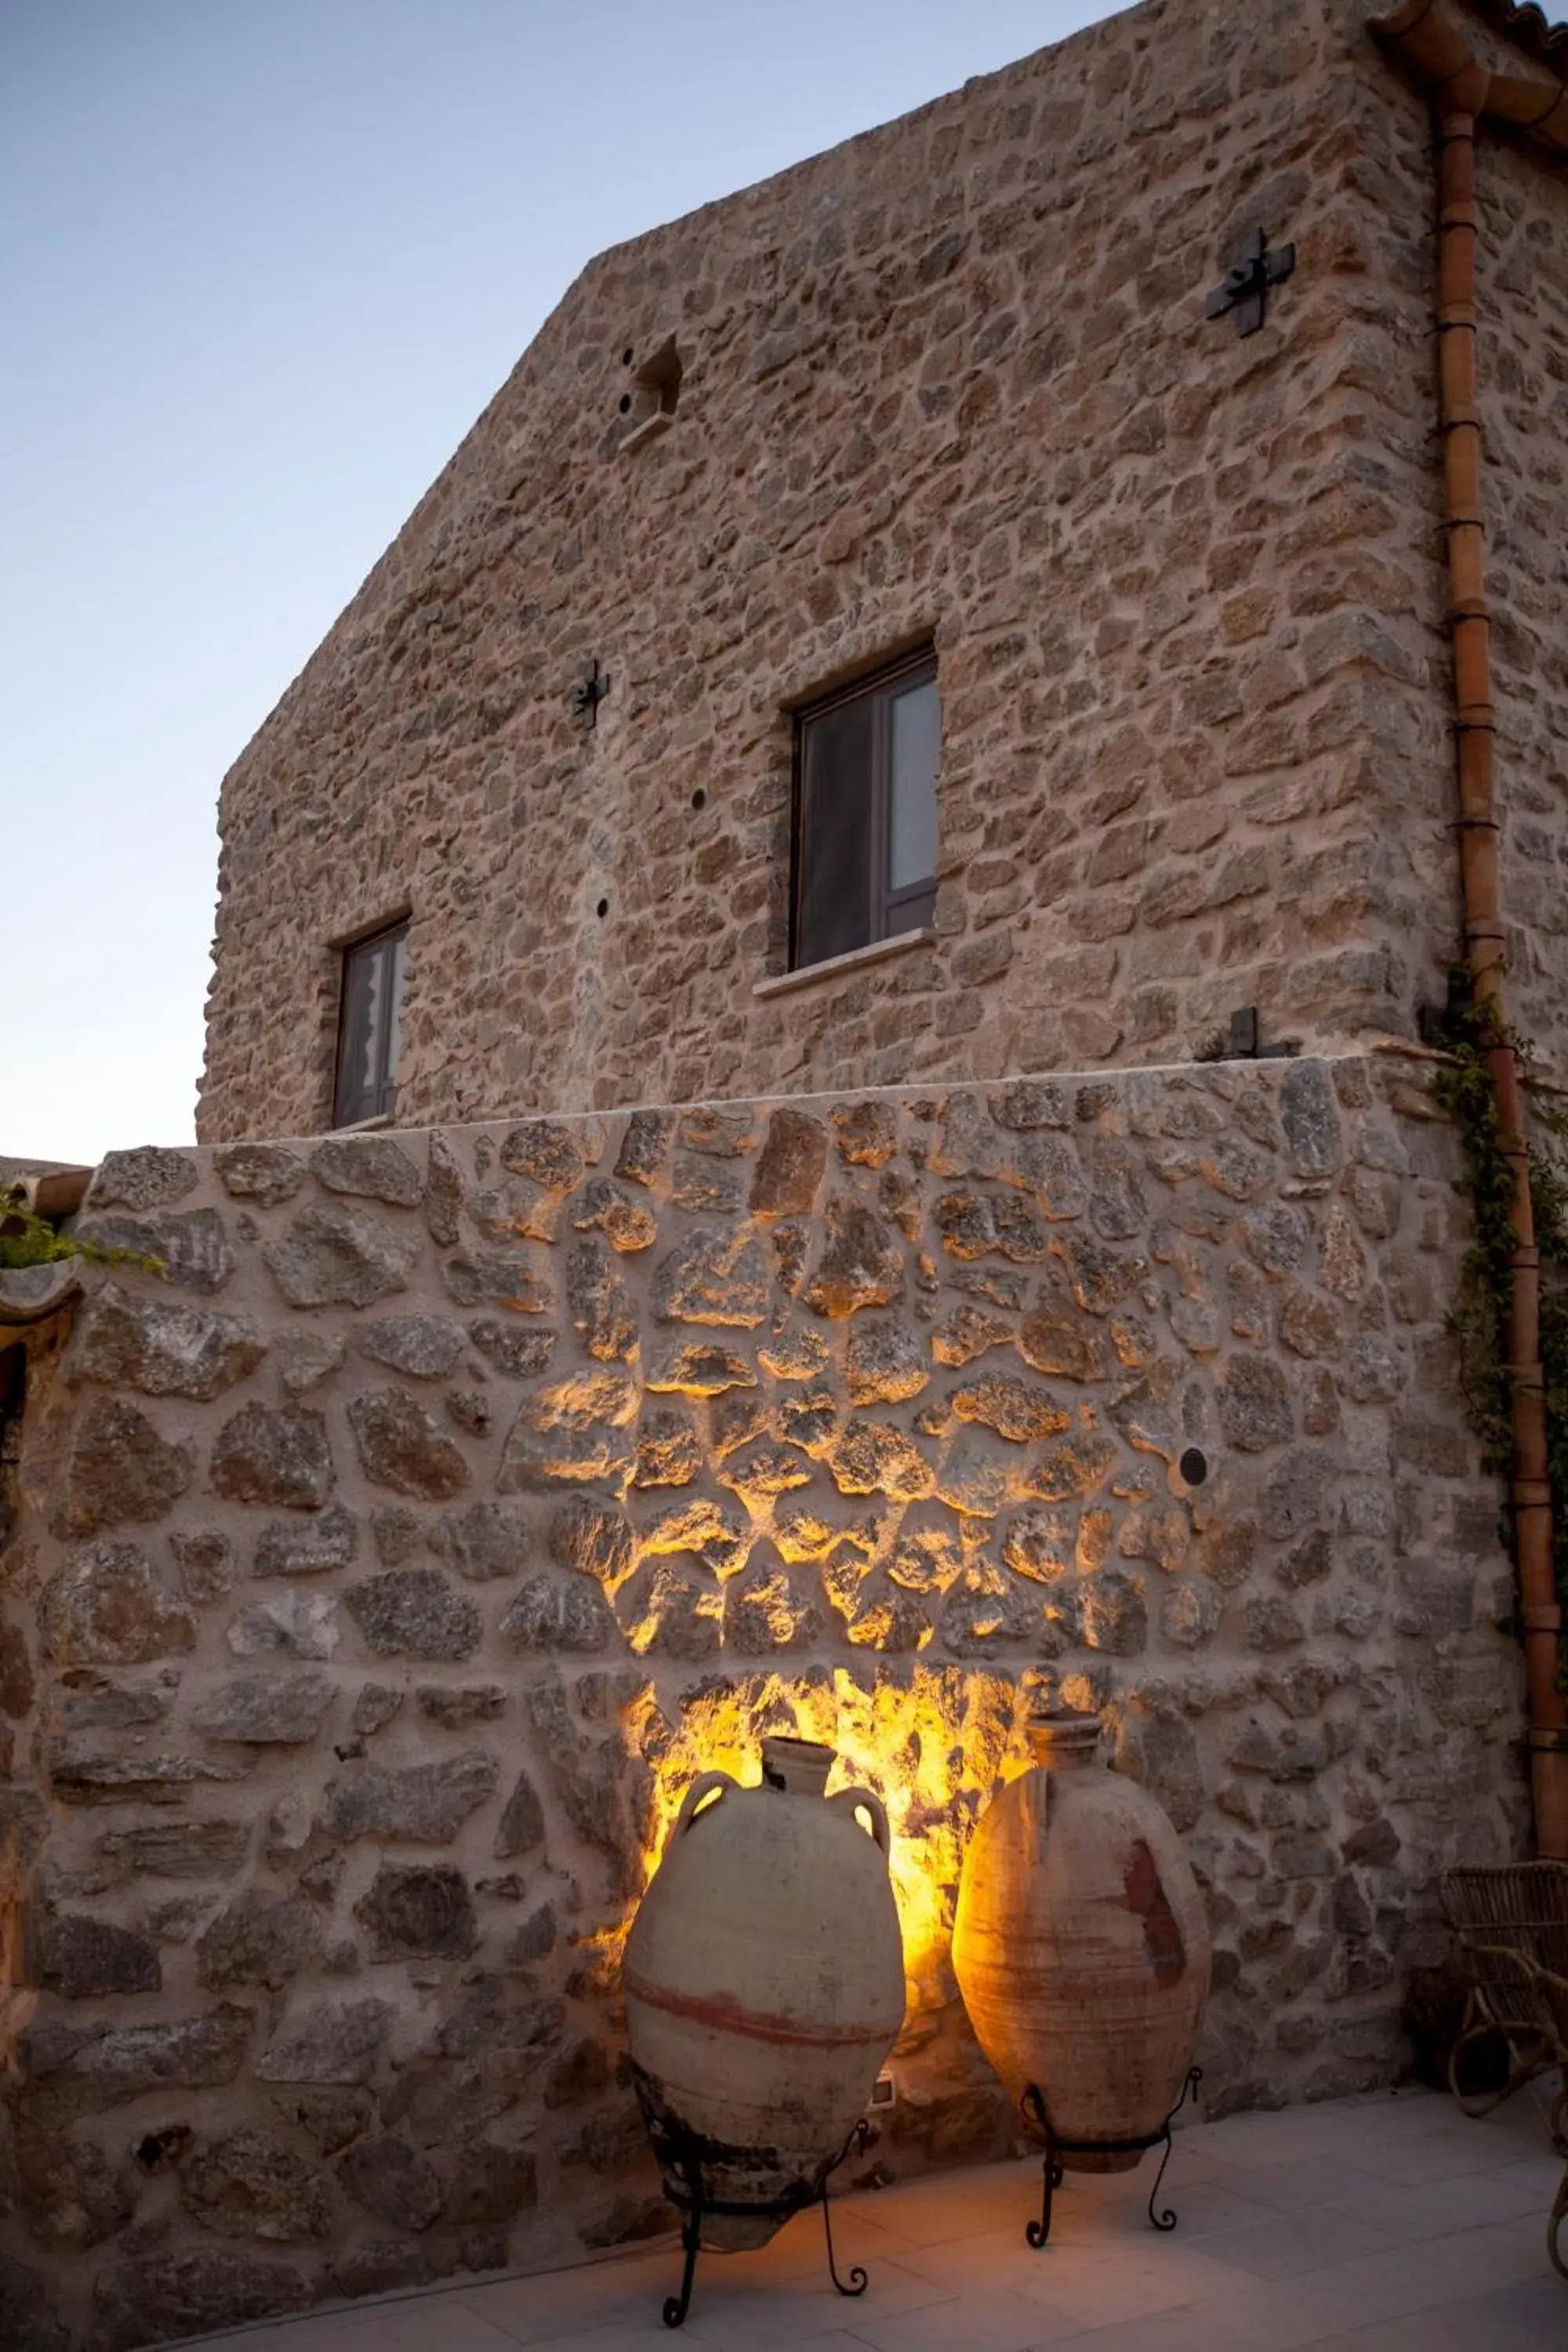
[28, 1239]
[1478, 1318]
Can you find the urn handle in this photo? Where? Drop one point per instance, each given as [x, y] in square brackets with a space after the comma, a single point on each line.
[850, 1801]
[703, 1786]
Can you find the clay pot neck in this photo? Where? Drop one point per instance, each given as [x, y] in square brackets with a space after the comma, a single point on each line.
[1063, 1740]
[799, 1766]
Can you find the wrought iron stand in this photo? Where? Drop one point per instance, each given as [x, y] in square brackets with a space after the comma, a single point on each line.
[678, 2155]
[1034, 2107]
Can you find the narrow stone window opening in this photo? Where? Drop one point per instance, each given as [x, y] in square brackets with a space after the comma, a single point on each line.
[866, 813]
[370, 1006]
[655, 391]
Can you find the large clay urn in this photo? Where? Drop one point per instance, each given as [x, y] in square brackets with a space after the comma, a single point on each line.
[1080, 1944]
[765, 1985]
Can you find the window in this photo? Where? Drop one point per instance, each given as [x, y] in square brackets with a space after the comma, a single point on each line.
[865, 812]
[372, 998]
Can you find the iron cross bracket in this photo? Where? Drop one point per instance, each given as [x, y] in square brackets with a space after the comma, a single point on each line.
[588, 693]
[1245, 289]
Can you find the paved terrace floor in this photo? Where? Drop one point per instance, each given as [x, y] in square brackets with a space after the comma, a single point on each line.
[1389, 2223]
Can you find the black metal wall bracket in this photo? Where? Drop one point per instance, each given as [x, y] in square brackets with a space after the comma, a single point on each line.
[1244, 292]
[588, 693]
[1244, 1042]
[1033, 2105]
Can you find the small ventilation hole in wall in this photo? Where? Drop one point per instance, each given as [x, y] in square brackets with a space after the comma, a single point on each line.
[603, 908]
[1194, 1466]
[698, 798]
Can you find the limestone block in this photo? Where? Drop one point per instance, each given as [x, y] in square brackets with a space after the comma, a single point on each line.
[425, 1347]
[481, 1542]
[372, 1166]
[146, 1178]
[277, 1456]
[600, 1305]
[553, 1612]
[119, 1468]
[334, 1257]
[414, 1612]
[628, 1225]
[428, 1803]
[418, 1911]
[790, 1166]
[391, 2180]
[151, 2298]
[163, 1349]
[81, 1958]
[264, 1710]
[267, 1174]
[103, 1607]
[515, 1353]
[308, 1547]
[711, 1277]
[498, 1278]
[302, 1625]
[885, 1363]
[521, 1822]
[327, 2041]
[210, 1848]
[443, 1192]
[192, 1245]
[260, 1939]
[456, 1710]
[401, 1446]
[248, 2184]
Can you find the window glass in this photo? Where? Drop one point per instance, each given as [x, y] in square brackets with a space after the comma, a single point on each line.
[911, 817]
[834, 910]
[368, 1027]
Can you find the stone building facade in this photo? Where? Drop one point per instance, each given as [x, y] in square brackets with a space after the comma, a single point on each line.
[945, 1328]
[952, 382]
[386, 1572]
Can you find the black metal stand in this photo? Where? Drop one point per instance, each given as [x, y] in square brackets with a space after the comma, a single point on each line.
[677, 2154]
[1033, 2104]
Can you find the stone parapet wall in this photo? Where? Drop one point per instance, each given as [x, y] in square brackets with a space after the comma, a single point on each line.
[953, 379]
[380, 1579]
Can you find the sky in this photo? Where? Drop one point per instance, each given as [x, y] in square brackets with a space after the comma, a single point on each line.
[263, 266]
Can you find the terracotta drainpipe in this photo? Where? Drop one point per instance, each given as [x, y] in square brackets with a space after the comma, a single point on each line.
[1429, 34]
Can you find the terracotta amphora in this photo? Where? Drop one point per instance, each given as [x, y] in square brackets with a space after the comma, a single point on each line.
[1080, 1944]
[765, 1985]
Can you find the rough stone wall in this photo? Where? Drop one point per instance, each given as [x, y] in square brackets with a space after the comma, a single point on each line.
[1523, 357]
[953, 378]
[1522, 266]
[383, 1575]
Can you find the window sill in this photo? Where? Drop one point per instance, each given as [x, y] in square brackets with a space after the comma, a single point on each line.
[854, 959]
[372, 1126]
[648, 430]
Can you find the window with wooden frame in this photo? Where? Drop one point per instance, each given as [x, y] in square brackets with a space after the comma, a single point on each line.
[865, 812]
[370, 1001]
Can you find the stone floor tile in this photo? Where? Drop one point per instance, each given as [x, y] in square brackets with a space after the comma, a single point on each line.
[1193, 2328]
[1292, 2188]
[531, 2309]
[1537, 2308]
[982, 2321]
[1435, 2209]
[413, 2324]
[733, 2315]
[1466, 2326]
[1317, 2238]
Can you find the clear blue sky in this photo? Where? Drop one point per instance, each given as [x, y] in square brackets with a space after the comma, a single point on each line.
[264, 263]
